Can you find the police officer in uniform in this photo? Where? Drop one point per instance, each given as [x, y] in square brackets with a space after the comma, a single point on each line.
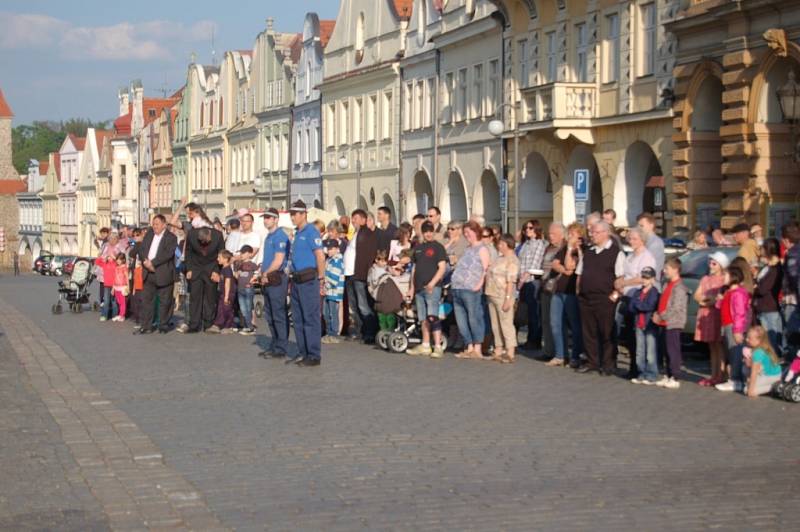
[308, 271]
[275, 285]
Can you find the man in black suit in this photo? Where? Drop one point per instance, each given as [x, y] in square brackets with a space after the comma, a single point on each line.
[157, 254]
[203, 245]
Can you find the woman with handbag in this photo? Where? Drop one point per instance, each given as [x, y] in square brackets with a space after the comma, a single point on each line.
[564, 302]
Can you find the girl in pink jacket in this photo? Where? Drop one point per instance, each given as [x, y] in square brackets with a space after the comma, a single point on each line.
[121, 285]
[735, 318]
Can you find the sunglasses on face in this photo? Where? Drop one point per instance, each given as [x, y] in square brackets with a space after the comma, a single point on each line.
[487, 236]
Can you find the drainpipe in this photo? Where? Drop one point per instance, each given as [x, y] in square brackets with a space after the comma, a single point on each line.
[401, 209]
[436, 126]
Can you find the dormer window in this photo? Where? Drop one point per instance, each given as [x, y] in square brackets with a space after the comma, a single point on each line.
[151, 113]
[360, 38]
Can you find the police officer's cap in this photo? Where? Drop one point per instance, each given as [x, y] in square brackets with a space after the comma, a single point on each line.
[272, 212]
[298, 206]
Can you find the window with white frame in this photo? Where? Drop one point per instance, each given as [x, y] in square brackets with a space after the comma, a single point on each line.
[285, 150]
[419, 104]
[430, 102]
[581, 53]
[386, 115]
[330, 125]
[448, 97]
[476, 107]
[408, 103]
[315, 145]
[461, 97]
[371, 117]
[276, 153]
[306, 147]
[494, 87]
[611, 49]
[267, 150]
[357, 106]
[552, 57]
[297, 147]
[522, 51]
[648, 32]
[344, 122]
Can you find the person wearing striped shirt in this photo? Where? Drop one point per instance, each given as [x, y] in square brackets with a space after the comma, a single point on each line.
[334, 291]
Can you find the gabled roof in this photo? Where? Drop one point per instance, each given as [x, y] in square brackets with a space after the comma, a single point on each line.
[12, 186]
[99, 136]
[325, 31]
[5, 109]
[157, 104]
[57, 162]
[122, 125]
[402, 8]
[296, 48]
[78, 142]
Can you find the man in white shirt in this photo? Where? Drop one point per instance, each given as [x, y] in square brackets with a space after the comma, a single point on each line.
[232, 243]
[349, 263]
[251, 238]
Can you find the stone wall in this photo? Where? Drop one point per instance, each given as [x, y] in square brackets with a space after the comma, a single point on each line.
[9, 220]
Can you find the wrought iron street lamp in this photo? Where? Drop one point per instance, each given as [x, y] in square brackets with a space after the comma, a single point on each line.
[789, 100]
[497, 127]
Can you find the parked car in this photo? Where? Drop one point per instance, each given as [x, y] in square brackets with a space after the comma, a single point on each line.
[57, 264]
[694, 265]
[42, 263]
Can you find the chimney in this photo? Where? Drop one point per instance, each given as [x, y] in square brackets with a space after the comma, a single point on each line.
[124, 100]
[270, 23]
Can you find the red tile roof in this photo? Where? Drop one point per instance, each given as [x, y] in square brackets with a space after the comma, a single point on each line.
[122, 125]
[99, 136]
[43, 167]
[156, 104]
[325, 31]
[296, 47]
[78, 142]
[5, 109]
[12, 186]
[57, 162]
[402, 8]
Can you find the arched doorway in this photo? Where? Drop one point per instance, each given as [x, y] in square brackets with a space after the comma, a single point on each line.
[420, 197]
[486, 198]
[536, 189]
[634, 192]
[340, 210]
[362, 203]
[389, 202]
[705, 143]
[707, 106]
[581, 158]
[454, 199]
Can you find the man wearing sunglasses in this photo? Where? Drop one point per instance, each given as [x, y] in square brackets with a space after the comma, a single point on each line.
[435, 217]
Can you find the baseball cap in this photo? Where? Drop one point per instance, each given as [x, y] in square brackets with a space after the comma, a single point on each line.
[271, 212]
[720, 258]
[648, 273]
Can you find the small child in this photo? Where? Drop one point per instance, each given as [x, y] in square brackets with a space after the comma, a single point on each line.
[245, 272]
[762, 368]
[643, 302]
[334, 290]
[387, 322]
[121, 285]
[671, 314]
[734, 311]
[108, 264]
[227, 289]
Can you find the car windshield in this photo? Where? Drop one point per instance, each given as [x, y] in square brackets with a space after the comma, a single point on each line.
[694, 264]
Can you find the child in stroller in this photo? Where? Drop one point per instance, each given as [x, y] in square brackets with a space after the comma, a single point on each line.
[74, 291]
[789, 386]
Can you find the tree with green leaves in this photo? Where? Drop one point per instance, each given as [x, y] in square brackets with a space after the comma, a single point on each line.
[37, 140]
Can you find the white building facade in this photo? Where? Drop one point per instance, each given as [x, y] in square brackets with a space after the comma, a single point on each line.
[71, 155]
[31, 211]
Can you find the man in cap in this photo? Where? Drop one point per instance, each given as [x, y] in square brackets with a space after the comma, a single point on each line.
[275, 285]
[748, 248]
[308, 273]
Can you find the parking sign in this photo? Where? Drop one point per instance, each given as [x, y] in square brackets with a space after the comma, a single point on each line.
[581, 184]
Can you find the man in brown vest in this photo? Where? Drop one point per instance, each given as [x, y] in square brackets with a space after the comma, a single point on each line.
[601, 264]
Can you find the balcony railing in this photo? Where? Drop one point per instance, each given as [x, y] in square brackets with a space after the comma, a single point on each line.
[557, 101]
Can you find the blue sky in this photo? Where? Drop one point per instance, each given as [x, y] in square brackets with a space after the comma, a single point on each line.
[68, 59]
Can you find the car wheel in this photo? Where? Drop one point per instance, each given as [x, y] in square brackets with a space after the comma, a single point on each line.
[398, 342]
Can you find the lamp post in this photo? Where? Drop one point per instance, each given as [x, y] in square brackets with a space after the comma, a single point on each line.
[343, 164]
[257, 182]
[788, 97]
[497, 127]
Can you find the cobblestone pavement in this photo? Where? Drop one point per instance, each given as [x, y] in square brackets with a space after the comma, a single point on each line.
[373, 441]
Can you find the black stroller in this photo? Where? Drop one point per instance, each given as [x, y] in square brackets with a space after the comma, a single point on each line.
[74, 291]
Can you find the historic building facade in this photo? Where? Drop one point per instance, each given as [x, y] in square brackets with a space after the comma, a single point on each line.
[87, 192]
[162, 134]
[51, 234]
[241, 161]
[589, 85]
[733, 159]
[31, 215]
[360, 105]
[180, 144]
[451, 89]
[71, 156]
[306, 173]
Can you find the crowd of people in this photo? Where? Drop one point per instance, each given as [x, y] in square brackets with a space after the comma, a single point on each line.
[576, 292]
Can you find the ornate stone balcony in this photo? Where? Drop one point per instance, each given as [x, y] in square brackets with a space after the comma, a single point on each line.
[559, 101]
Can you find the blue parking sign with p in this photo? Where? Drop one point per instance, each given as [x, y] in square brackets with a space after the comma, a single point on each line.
[581, 184]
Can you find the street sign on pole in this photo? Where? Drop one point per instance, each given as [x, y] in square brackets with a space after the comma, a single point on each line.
[503, 194]
[581, 184]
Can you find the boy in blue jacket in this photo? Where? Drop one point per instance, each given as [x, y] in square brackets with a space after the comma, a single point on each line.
[643, 302]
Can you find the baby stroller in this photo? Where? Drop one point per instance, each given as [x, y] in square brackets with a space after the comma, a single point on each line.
[75, 290]
[788, 387]
[390, 298]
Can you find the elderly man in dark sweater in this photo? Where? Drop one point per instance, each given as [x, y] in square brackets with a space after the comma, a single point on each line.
[601, 264]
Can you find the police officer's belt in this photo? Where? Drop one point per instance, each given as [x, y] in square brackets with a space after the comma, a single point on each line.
[304, 276]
